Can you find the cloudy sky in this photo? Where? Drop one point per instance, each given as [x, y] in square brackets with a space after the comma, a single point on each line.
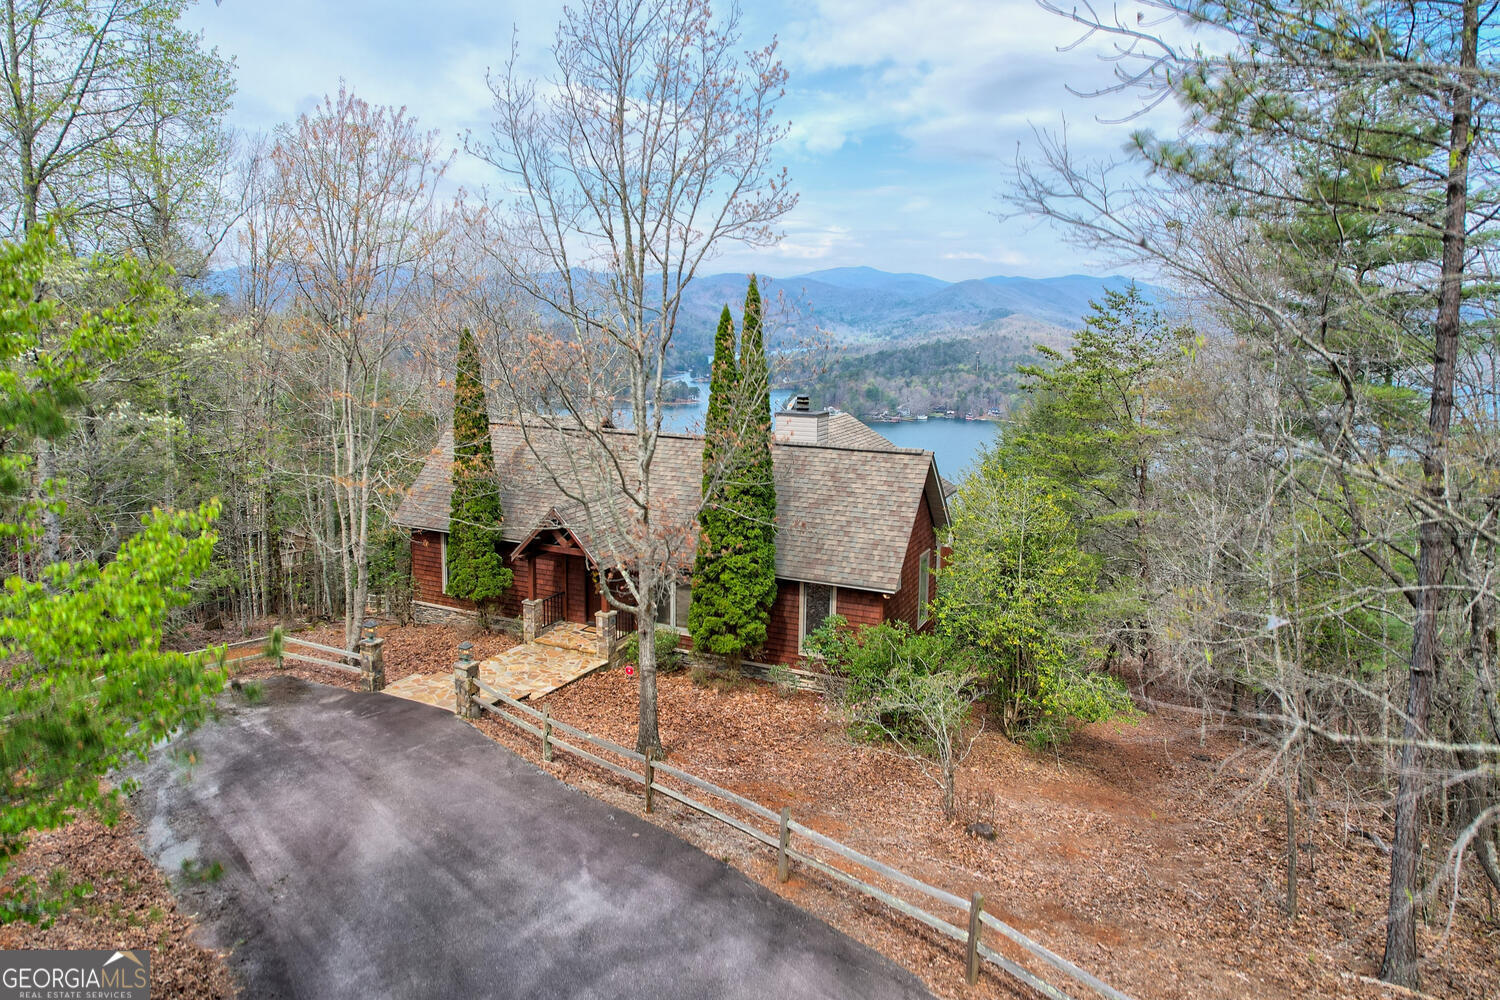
[905, 115]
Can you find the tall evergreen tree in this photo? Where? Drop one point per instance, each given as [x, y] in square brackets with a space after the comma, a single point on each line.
[718, 425]
[476, 570]
[710, 613]
[757, 483]
[734, 574]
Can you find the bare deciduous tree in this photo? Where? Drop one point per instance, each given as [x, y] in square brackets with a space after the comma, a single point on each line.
[357, 191]
[649, 150]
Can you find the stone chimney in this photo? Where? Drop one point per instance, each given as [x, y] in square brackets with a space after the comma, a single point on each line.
[799, 423]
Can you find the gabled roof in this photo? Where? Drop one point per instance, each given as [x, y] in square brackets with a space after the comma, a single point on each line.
[844, 510]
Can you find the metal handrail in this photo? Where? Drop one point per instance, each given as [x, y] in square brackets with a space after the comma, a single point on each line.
[550, 611]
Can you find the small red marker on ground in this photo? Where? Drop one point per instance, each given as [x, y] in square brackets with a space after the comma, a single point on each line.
[629, 670]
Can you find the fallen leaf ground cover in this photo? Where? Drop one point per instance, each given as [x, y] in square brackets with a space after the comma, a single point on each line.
[129, 905]
[1145, 851]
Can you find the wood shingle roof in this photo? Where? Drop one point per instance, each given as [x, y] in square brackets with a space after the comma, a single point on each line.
[845, 509]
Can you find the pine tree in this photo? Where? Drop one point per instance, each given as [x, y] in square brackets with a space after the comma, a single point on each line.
[734, 575]
[476, 570]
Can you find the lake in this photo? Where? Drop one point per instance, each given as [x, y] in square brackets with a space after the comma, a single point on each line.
[955, 443]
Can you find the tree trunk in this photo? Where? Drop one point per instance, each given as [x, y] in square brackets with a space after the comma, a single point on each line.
[647, 738]
[1399, 965]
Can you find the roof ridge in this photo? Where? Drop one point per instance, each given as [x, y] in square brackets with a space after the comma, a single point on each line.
[689, 436]
[894, 449]
[684, 435]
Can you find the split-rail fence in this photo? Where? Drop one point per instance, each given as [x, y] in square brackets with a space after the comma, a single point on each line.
[473, 697]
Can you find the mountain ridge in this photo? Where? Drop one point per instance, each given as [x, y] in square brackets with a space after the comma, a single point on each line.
[863, 305]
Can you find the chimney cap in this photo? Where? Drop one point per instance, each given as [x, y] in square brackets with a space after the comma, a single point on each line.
[801, 406]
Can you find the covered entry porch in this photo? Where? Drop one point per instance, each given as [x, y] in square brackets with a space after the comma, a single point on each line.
[560, 580]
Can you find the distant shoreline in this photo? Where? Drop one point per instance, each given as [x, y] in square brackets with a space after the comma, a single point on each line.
[914, 420]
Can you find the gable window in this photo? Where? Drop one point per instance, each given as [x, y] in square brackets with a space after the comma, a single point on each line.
[443, 556]
[924, 588]
[818, 602]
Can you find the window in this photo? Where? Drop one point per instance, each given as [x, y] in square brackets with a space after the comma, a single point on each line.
[818, 602]
[443, 555]
[664, 603]
[672, 603]
[923, 588]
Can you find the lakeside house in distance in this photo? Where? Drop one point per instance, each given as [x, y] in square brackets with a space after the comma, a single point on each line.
[858, 524]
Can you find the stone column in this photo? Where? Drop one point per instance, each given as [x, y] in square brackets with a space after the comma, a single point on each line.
[604, 624]
[372, 663]
[531, 613]
[465, 688]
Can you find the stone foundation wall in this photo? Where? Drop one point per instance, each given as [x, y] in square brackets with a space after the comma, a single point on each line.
[424, 613]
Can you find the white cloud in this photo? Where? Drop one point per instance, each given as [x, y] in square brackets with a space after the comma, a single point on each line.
[814, 244]
[904, 113]
[964, 77]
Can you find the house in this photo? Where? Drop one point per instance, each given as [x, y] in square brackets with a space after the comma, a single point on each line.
[858, 526]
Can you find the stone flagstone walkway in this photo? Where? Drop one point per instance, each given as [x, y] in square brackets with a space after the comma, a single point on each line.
[558, 657]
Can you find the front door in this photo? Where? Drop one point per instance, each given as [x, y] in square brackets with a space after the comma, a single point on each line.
[576, 588]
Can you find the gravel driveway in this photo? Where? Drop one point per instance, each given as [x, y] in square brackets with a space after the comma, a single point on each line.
[350, 845]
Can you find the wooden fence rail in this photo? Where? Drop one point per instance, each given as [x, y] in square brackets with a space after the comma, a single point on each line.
[366, 663]
[543, 726]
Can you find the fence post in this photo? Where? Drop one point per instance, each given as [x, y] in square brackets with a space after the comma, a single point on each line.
[976, 907]
[650, 779]
[530, 612]
[546, 734]
[465, 673]
[372, 657]
[784, 863]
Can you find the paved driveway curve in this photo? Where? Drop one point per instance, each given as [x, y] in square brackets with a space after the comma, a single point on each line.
[375, 847]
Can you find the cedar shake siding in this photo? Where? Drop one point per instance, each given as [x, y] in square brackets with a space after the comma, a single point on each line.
[427, 577]
[860, 607]
[923, 539]
[781, 629]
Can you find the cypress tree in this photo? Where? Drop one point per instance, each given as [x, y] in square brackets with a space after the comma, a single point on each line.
[734, 574]
[758, 482]
[723, 389]
[476, 570]
[710, 617]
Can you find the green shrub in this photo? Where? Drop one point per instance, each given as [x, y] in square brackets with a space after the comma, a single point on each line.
[1090, 696]
[914, 689]
[665, 641]
[873, 661]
